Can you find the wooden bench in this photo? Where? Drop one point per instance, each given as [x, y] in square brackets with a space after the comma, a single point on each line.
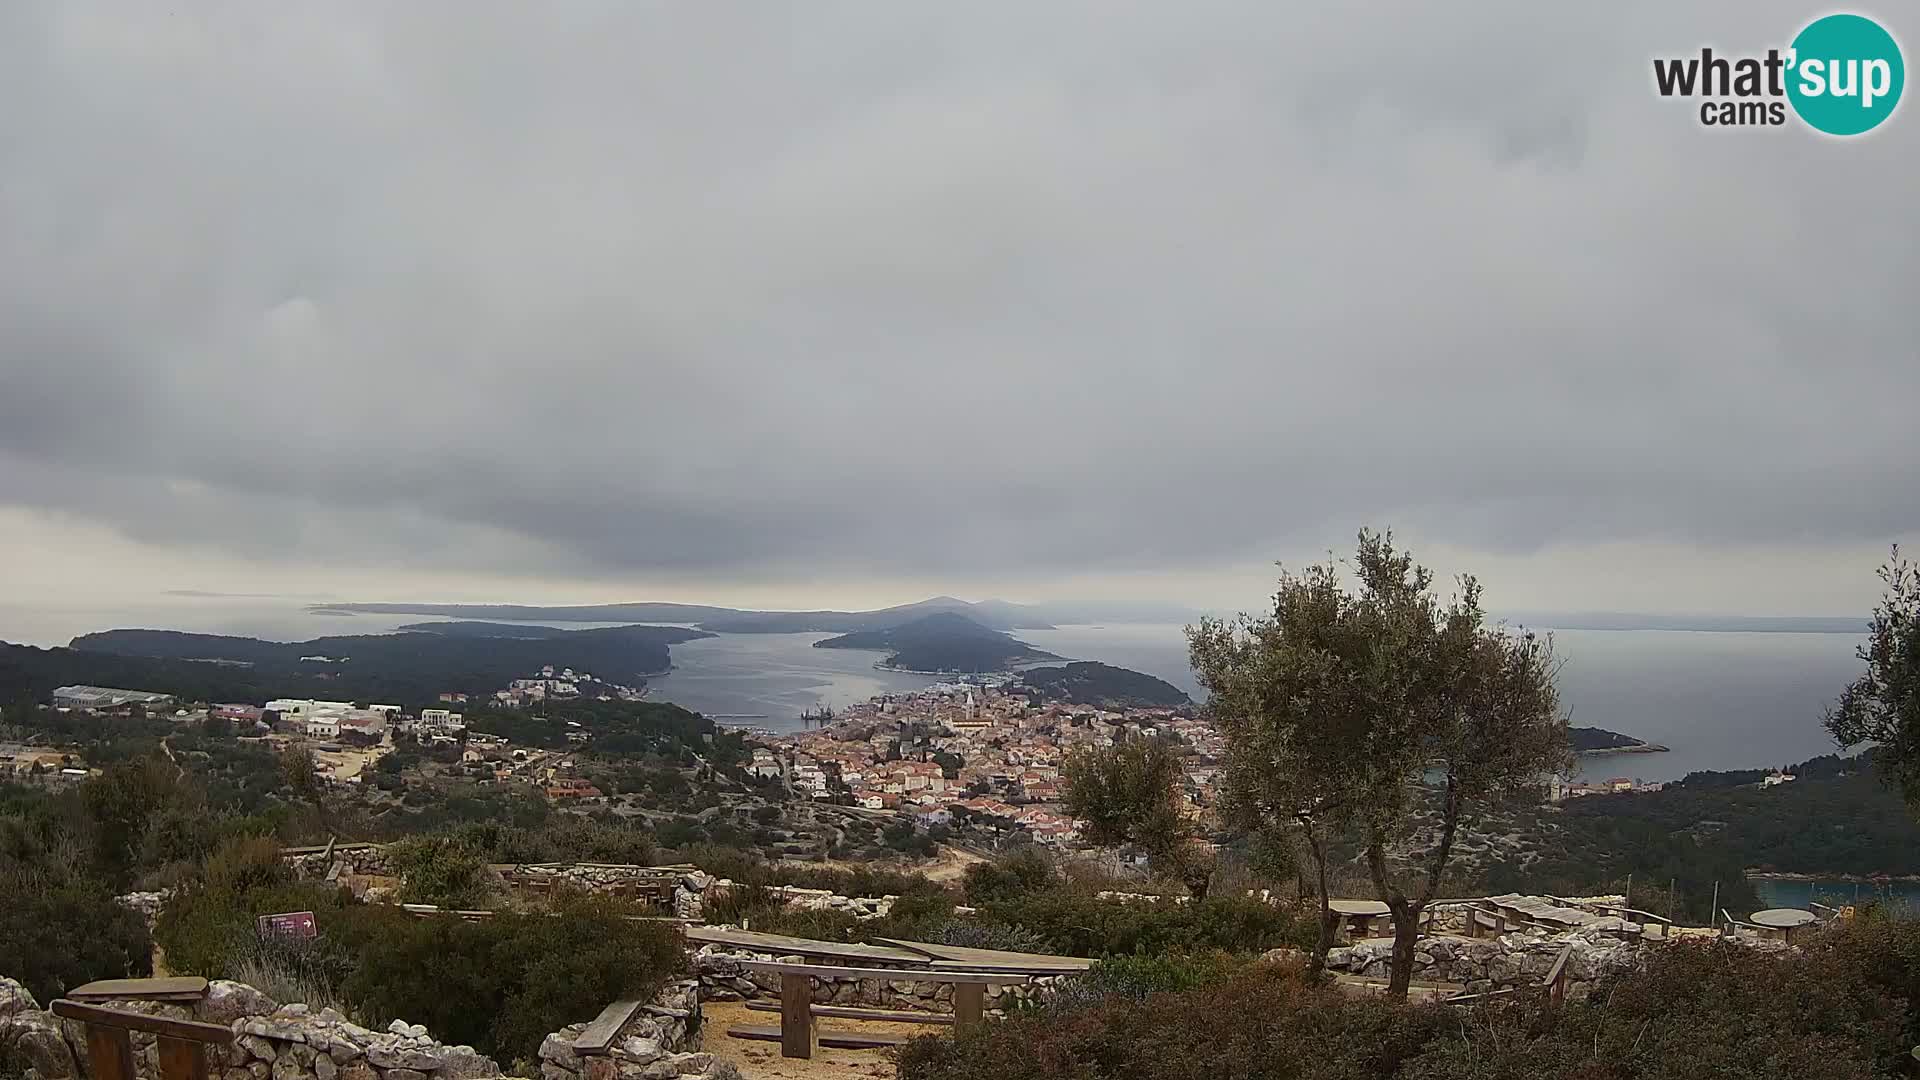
[183, 988]
[182, 1043]
[797, 1033]
[598, 1037]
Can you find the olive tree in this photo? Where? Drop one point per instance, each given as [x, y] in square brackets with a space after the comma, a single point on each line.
[1882, 706]
[1129, 796]
[1279, 696]
[1365, 705]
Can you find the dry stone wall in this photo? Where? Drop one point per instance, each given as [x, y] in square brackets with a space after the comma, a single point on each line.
[295, 1042]
[724, 977]
[271, 1042]
[654, 1045]
[1495, 963]
[368, 860]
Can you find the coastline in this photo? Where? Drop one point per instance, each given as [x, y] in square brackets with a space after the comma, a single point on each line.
[1861, 879]
[1641, 748]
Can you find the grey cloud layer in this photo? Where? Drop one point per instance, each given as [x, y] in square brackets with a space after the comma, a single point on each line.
[915, 289]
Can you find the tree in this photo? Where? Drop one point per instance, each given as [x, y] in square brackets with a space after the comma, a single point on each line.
[1128, 795]
[1882, 706]
[1279, 694]
[302, 777]
[1362, 705]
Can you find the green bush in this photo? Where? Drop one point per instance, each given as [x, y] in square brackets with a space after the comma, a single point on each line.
[1138, 976]
[1689, 1011]
[1080, 924]
[501, 984]
[54, 937]
[439, 870]
[1024, 871]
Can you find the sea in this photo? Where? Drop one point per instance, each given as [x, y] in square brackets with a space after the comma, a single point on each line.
[1716, 700]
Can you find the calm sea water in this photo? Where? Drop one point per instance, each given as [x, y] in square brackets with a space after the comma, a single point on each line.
[1718, 700]
[1899, 895]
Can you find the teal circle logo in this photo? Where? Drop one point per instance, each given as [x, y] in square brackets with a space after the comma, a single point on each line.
[1846, 74]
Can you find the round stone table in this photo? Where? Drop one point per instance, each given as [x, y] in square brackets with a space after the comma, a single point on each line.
[1783, 919]
[1359, 915]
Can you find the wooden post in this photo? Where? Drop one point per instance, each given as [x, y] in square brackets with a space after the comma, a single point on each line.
[969, 1004]
[797, 1039]
[182, 1059]
[109, 1053]
[1716, 902]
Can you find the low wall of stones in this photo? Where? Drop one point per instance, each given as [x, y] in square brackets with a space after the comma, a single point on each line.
[295, 1042]
[367, 860]
[1495, 963]
[724, 977]
[271, 1041]
[655, 1044]
[692, 889]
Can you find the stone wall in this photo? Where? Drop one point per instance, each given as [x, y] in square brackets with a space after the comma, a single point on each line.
[272, 1042]
[654, 1045]
[1517, 959]
[367, 860]
[295, 1042]
[692, 889]
[723, 977]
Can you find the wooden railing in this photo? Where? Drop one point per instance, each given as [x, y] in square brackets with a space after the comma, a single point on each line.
[182, 1043]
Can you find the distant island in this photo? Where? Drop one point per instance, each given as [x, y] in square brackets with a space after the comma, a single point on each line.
[408, 667]
[942, 643]
[993, 614]
[1090, 683]
[1593, 740]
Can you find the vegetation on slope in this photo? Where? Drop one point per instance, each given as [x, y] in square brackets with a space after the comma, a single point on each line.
[1086, 682]
[1840, 1011]
[943, 641]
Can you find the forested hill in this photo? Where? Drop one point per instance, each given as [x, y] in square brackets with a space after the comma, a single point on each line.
[942, 642]
[993, 614]
[1085, 682]
[1593, 740]
[404, 668]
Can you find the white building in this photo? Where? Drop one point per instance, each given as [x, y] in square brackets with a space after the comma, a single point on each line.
[298, 708]
[440, 721]
[323, 726]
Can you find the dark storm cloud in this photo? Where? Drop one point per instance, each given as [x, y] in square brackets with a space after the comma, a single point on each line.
[912, 290]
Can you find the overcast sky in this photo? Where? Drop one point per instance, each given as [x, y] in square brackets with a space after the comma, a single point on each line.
[844, 304]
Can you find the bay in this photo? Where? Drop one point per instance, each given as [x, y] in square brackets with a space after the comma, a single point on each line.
[1718, 700]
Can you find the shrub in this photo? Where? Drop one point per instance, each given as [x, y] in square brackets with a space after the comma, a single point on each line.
[439, 870]
[1024, 871]
[979, 933]
[1689, 1011]
[54, 937]
[501, 984]
[1138, 976]
[1079, 924]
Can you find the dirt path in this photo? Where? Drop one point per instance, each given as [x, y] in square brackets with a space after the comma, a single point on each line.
[951, 864]
[762, 1061]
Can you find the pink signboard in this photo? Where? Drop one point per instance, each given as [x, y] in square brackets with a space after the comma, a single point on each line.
[293, 924]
